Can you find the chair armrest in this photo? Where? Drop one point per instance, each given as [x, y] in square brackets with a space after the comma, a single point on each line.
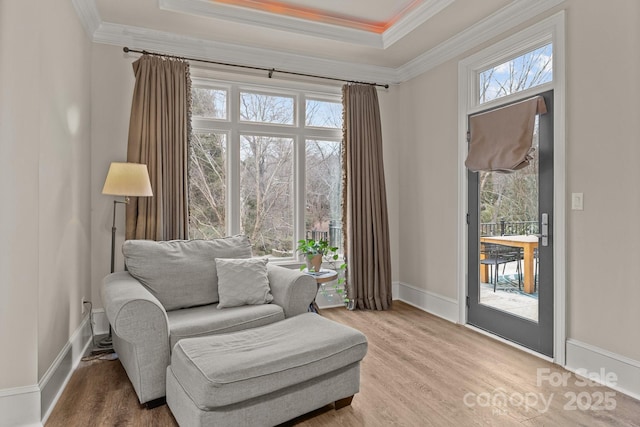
[291, 289]
[132, 310]
[140, 333]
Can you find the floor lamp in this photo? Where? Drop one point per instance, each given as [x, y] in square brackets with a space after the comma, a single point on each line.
[127, 180]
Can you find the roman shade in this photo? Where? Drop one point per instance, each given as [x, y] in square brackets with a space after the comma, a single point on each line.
[500, 139]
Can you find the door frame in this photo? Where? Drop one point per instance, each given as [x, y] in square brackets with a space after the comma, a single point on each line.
[548, 30]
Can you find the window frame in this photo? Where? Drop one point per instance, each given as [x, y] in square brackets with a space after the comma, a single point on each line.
[521, 50]
[298, 132]
[508, 49]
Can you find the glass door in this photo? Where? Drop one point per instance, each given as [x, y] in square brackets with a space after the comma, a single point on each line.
[510, 285]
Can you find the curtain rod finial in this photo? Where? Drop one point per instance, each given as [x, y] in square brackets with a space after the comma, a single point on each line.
[125, 49]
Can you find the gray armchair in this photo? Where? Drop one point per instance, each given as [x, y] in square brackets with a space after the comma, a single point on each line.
[144, 330]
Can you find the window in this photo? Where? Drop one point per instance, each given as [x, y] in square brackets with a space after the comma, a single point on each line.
[261, 108]
[209, 103]
[266, 193]
[207, 185]
[324, 114]
[323, 210]
[265, 162]
[518, 74]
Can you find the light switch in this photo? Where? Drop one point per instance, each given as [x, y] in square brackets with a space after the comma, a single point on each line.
[577, 201]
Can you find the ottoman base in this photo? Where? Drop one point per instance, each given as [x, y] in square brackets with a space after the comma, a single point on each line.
[269, 410]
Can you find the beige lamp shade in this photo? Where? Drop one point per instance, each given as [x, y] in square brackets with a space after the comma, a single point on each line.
[127, 179]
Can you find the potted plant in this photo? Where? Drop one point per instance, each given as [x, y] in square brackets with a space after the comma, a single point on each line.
[315, 252]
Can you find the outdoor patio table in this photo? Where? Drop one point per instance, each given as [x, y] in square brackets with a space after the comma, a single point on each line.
[528, 243]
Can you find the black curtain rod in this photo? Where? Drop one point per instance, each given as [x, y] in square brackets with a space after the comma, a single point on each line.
[269, 70]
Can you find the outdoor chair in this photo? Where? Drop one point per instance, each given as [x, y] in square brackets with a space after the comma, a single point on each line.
[494, 255]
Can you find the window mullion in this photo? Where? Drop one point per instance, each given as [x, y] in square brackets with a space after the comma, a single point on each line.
[233, 196]
[300, 174]
[300, 189]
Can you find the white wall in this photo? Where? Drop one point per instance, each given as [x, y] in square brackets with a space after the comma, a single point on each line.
[19, 162]
[64, 177]
[428, 181]
[111, 92]
[602, 152]
[44, 184]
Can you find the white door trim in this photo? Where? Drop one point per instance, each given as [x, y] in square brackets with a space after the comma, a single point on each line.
[551, 28]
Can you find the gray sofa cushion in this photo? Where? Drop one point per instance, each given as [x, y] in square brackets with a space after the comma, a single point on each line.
[208, 320]
[182, 273]
[220, 370]
[243, 282]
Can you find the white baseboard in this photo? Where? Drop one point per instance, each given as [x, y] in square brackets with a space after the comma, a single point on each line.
[586, 358]
[395, 289]
[438, 305]
[31, 405]
[20, 406]
[54, 381]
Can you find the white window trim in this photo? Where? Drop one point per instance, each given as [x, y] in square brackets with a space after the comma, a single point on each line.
[299, 132]
[551, 29]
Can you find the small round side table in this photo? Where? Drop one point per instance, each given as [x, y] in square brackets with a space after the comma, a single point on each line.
[322, 276]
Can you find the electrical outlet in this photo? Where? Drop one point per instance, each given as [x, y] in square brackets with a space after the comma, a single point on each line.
[82, 304]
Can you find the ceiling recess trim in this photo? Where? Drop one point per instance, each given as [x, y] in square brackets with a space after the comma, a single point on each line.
[268, 20]
[399, 29]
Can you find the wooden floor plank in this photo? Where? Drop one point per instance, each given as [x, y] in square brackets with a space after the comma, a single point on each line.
[420, 370]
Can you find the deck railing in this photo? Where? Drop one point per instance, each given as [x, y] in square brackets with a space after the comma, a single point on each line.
[509, 228]
[333, 235]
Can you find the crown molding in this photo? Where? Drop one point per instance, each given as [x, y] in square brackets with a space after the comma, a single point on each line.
[268, 20]
[173, 44]
[413, 20]
[508, 17]
[89, 16]
[503, 20]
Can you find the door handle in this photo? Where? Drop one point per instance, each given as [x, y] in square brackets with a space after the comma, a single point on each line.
[544, 228]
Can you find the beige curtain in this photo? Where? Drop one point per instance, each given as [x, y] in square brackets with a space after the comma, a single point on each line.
[366, 225]
[159, 130]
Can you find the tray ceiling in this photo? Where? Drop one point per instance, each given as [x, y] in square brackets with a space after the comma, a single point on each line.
[359, 39]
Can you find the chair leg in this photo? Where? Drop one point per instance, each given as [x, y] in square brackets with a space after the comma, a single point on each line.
[495, 279]
[535, 277]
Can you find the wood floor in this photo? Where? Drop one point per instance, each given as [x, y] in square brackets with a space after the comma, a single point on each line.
[419, 371]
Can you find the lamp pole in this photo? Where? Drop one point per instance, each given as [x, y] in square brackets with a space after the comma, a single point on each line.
[113, 231]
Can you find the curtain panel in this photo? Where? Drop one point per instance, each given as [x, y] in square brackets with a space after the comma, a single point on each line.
[159, 132]
[366, 225]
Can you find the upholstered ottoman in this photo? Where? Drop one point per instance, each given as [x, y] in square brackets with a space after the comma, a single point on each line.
[264, 376]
